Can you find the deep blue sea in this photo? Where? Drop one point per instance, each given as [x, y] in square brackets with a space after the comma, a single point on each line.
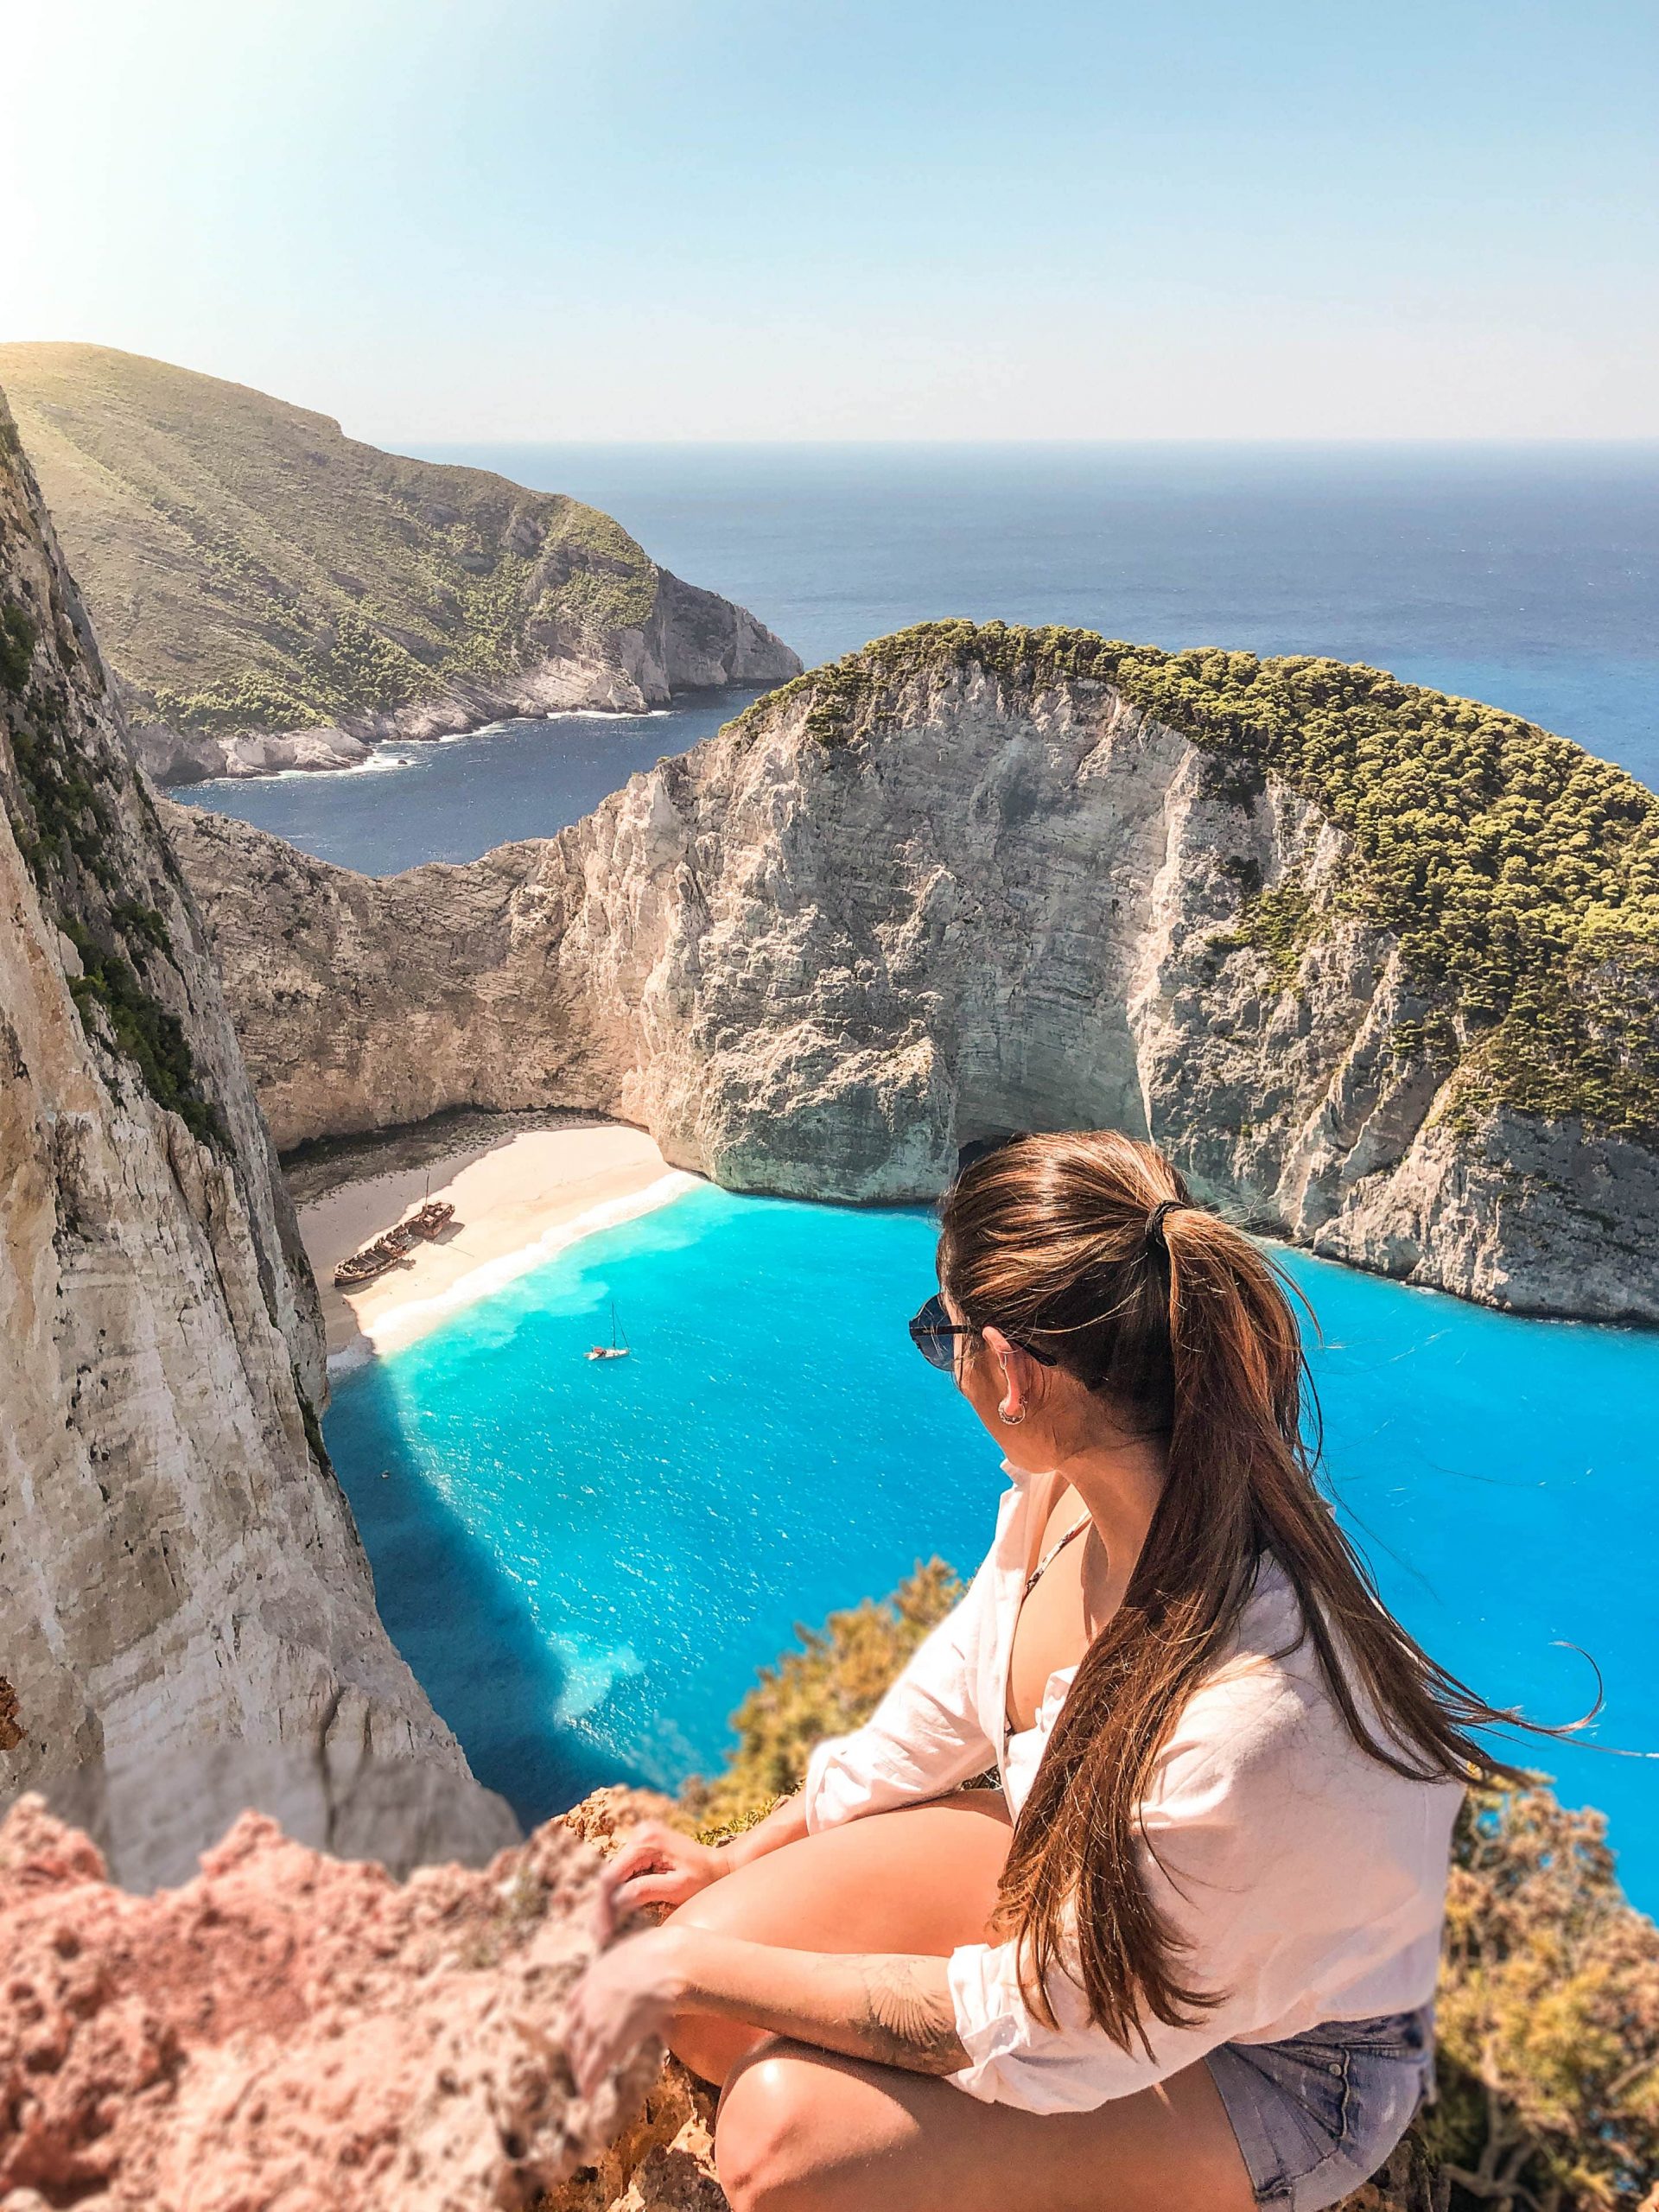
[586, 1564]
[457, 798]
[1527, 576]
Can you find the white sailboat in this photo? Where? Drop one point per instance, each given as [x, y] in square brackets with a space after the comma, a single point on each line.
[618, 1348]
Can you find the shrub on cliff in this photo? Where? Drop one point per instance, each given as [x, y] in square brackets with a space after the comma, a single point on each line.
[823, 1689]
[66, 789]
[1549, 2014]
[1548, 2004]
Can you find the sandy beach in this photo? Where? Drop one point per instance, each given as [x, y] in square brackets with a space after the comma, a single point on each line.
[520, 1195]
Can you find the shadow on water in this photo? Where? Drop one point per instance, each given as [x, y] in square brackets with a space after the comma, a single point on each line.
[461, 1622]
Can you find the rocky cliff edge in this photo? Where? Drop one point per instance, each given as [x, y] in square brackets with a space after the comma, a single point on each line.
[187, 1617]
[286, 2030]
[285, 2033]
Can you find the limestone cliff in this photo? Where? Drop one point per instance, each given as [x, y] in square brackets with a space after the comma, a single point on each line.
[1376, 967]
[187, 1619]
[273, 594]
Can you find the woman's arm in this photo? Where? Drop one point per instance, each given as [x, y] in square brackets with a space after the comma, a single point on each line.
[896, 2009]
[891, 2007]
[784, 1823]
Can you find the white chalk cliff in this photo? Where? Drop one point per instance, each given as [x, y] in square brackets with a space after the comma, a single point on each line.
[821, 950]
[187, 1618]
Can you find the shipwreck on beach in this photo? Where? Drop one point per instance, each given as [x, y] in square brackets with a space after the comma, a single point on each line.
[372, 1260]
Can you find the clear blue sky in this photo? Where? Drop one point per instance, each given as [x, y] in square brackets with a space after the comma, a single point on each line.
[444, 219]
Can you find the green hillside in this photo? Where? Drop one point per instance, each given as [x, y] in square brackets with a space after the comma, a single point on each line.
[249, 567]
[1520, 872]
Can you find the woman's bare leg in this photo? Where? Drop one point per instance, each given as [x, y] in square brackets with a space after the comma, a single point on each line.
[920, 1879]
[801, 2130]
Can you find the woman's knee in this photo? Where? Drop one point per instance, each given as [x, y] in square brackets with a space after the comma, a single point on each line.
[707, 1909]
[725, 1908]
[764, 2136]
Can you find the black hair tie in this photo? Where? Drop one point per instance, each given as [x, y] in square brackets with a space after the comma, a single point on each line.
[1155, 1222]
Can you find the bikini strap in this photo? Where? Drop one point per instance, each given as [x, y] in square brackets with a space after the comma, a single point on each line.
[1054, 1552]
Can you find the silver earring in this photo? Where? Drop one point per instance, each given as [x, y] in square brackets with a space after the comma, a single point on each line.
[1013, 1420]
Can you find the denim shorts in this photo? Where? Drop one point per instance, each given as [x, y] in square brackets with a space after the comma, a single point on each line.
[1316, 2116]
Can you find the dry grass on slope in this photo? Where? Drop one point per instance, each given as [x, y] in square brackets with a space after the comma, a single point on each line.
[249, 567]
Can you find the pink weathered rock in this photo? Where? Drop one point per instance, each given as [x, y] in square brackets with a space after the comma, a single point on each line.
[288, 2032]
[606, 1817]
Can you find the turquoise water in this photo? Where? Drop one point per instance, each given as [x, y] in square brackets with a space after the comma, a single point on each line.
[586, 1564]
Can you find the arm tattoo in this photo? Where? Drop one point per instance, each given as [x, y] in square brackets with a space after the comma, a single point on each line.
[903, 2023]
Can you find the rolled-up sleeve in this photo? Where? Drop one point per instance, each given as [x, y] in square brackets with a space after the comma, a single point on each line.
[926, 1737]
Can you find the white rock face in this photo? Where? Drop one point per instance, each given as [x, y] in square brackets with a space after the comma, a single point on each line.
[187, 1619]
[818, 968]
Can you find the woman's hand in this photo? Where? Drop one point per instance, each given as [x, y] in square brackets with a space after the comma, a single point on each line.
[660, 1866]
[629, 1994]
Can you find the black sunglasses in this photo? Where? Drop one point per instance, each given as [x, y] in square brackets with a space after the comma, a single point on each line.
[934, 1334]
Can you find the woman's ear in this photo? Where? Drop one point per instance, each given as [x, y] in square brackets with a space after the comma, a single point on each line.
[1015, 1368]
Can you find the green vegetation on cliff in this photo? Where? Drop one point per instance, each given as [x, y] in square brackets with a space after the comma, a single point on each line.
[1548, 2006]
[1519, 873]
[1549, 2014]
[250, 568]
[66, 776]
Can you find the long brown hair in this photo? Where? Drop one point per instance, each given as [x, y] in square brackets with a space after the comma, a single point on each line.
[1089, 1247]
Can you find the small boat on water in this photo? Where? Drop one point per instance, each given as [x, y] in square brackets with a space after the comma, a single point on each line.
[385, 1251]
[618, 1348]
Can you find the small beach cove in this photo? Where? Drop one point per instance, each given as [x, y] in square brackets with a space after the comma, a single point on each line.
[523, 1186]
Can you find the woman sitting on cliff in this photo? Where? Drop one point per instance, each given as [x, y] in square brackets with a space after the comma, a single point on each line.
[1183, 1957]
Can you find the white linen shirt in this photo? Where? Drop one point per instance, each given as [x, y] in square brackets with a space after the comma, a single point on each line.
[1308, 1878]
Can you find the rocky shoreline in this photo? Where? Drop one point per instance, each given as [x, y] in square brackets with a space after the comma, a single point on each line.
[645, 673]
[274, 595]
